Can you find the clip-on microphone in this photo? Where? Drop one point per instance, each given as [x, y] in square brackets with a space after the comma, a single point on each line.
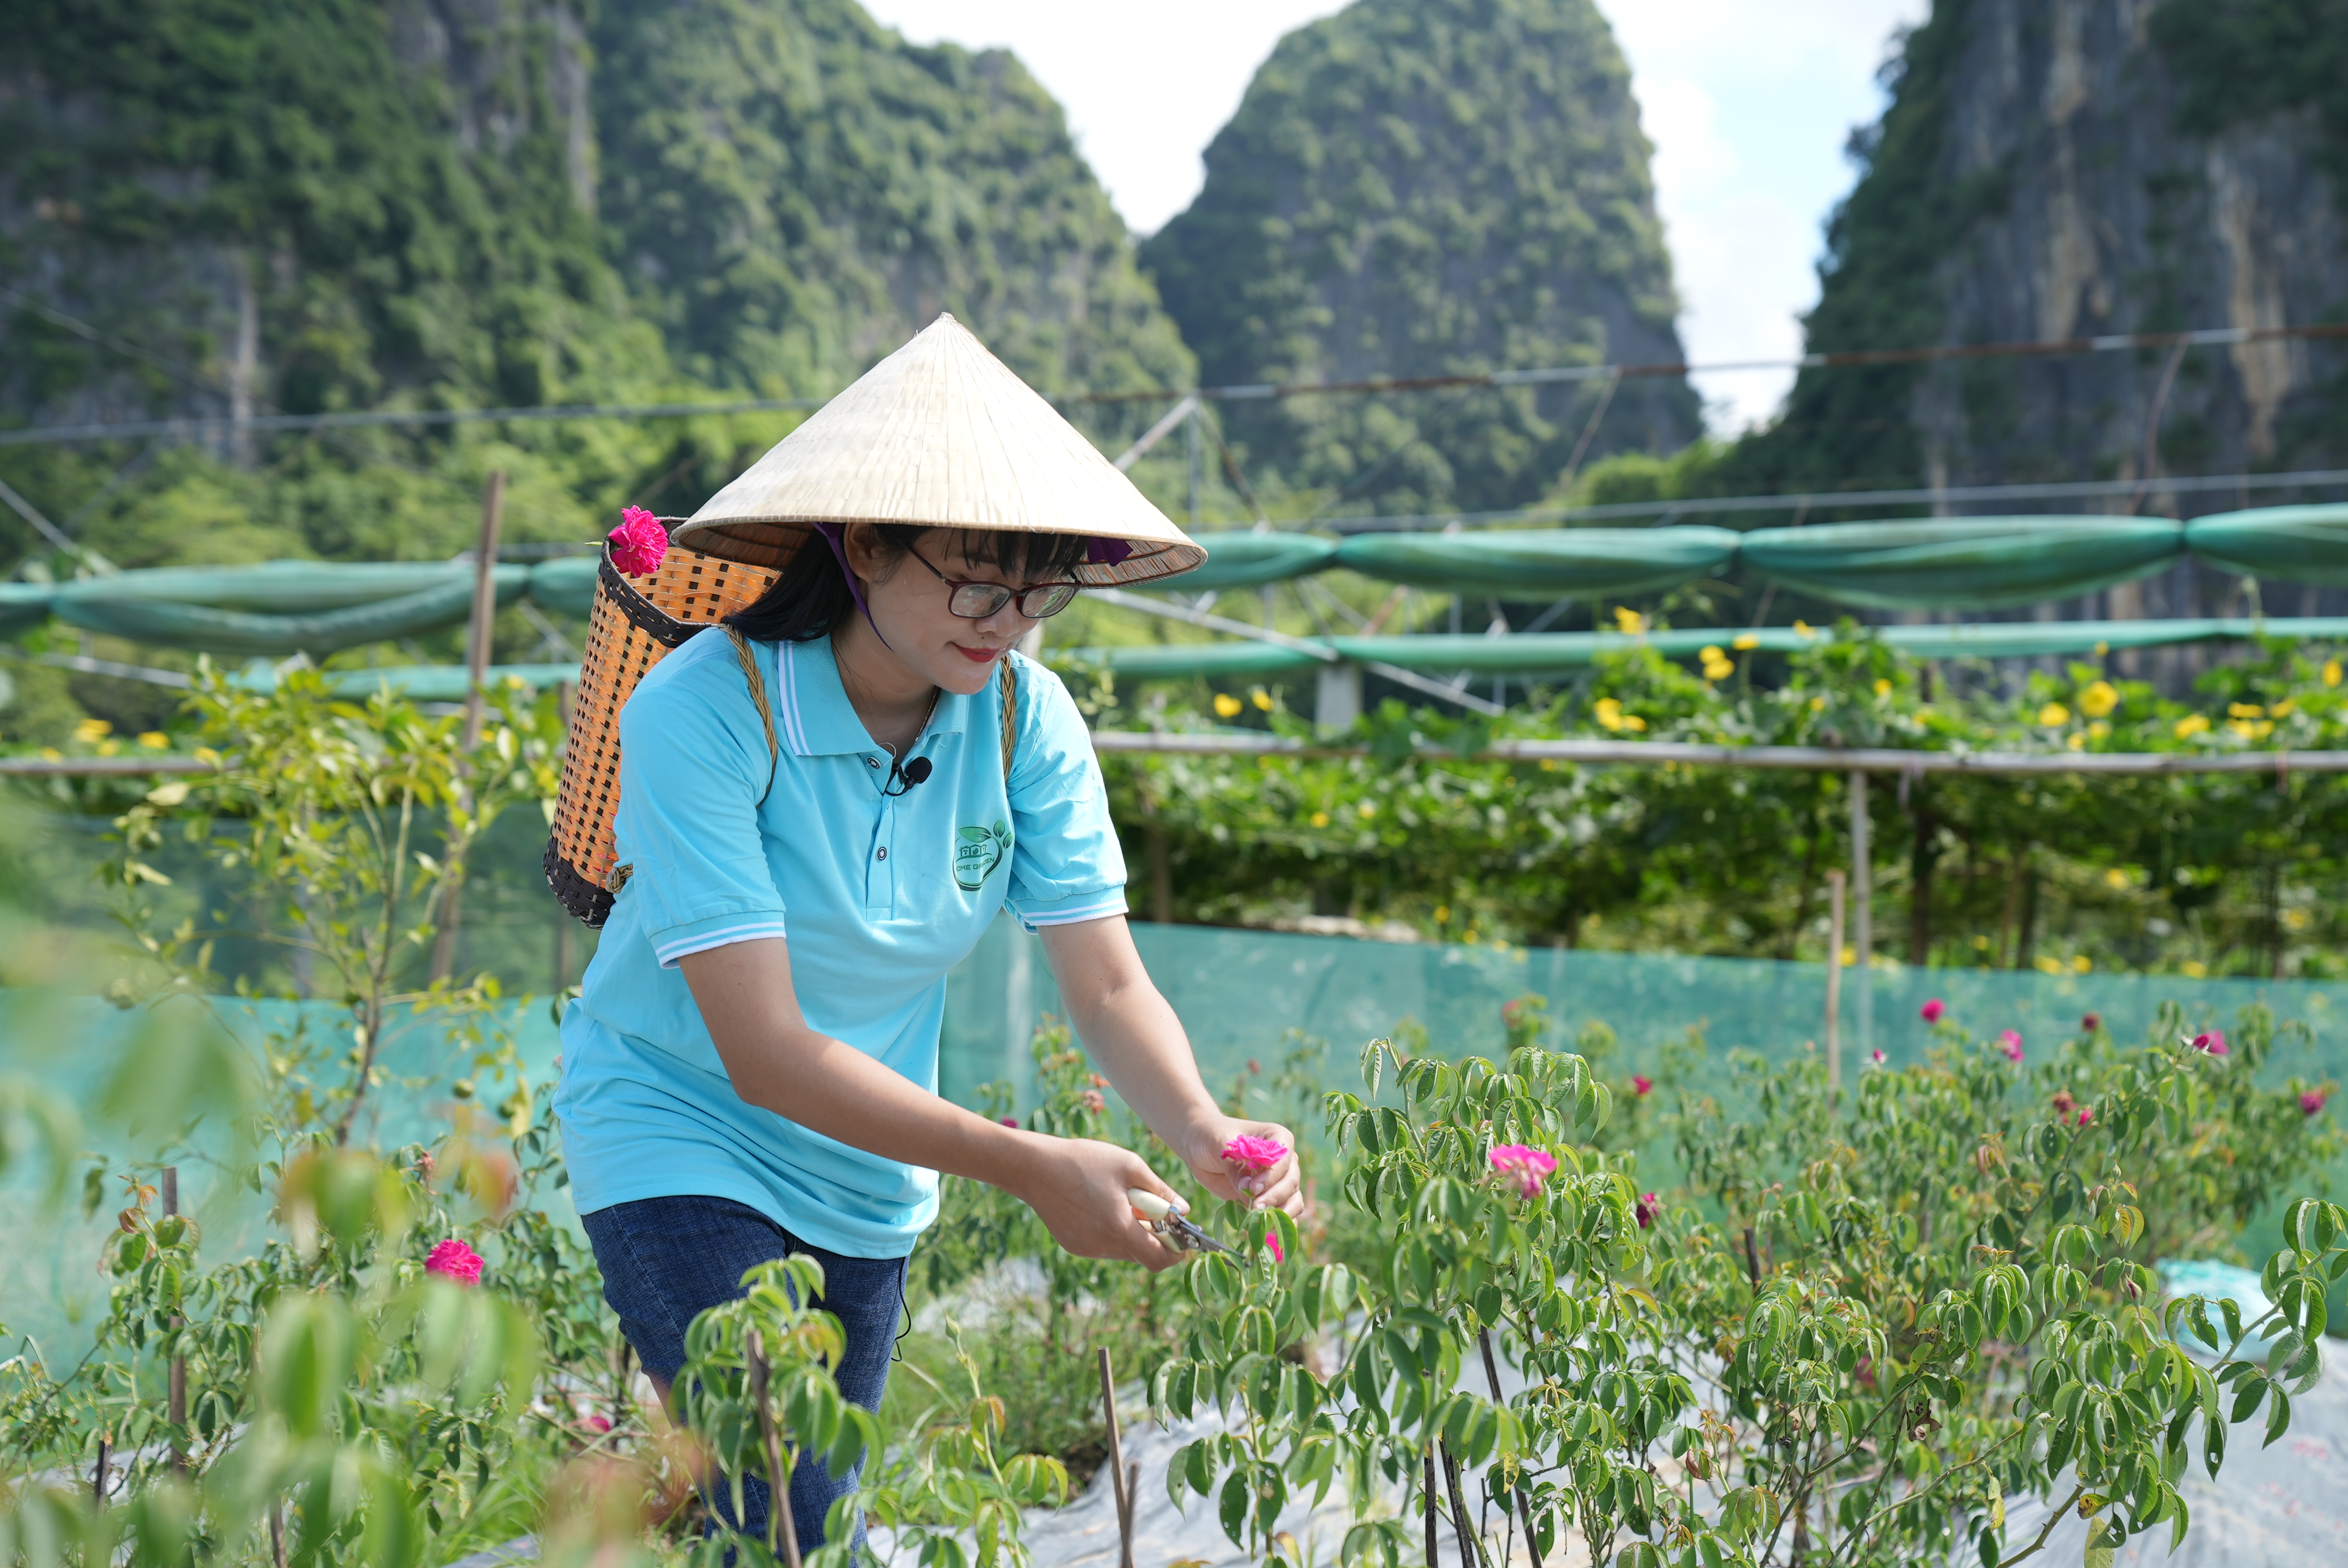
[903, 778]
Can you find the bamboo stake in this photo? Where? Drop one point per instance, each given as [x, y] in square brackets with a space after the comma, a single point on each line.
[1834, 985]
[98, 1477]
[782, 1531]
[1119, 1483]
[477, 635]
[176, 1407]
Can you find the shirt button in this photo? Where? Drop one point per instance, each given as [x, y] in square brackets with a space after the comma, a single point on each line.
[882, 854]
[872, 762]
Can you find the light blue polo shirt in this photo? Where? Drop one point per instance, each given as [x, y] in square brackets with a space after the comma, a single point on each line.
[878, 895]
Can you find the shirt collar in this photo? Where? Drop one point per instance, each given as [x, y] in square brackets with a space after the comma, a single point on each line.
[815, 715]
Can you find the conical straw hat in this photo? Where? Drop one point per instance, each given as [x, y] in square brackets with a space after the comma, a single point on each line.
[941, 434]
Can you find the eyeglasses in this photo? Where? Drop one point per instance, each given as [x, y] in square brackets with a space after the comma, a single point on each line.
[977, 600]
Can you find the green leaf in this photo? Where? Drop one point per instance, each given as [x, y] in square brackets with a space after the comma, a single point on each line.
[1234, 1507]
[2278, 1417]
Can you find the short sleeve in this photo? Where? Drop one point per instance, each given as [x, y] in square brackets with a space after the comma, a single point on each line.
[1067, 865]
[693, 766]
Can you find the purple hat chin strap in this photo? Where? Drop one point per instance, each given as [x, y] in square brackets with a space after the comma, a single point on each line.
[833, 534]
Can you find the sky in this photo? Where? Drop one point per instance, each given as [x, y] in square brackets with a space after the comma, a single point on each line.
[1748, 103]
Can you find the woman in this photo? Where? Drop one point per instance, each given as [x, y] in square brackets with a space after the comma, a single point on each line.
[749, 1071]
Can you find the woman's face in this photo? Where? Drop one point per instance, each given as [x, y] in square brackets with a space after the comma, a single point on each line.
[909, 607]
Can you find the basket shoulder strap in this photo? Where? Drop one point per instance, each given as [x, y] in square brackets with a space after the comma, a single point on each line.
[749, 663]
[1010, 716]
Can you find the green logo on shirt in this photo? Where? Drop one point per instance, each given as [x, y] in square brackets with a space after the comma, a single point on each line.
[977, 852]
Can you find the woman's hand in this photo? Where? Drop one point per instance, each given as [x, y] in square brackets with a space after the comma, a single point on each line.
[1280, 1187]
[1077, 1188]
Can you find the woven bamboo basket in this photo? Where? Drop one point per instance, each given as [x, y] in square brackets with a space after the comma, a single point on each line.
[632, 626]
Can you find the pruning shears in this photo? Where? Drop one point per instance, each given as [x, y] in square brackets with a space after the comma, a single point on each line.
[1158, 1216]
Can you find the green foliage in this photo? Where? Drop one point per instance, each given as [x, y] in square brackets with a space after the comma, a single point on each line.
[2215, 873]
[794, 191]
[1411, 189]
[2246, 59]
[1916, 1304]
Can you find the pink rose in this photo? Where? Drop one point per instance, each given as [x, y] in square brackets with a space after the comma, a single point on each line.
[2310, 1102]
[2087, 1114]
[1876, 1057]
[598, 1425]
[1253, 1154]
[639, 543]
[1933, 1009]
[1649, 1207]
[2091, 1023]
[2210, 1044]
[1525, 1165]
[1093, 1101]
[454, 1259]
[2010, 1043]
[1642, 1084]
[1272, 1240]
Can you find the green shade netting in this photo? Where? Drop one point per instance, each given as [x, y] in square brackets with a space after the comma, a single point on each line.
[421, 683]
[23, 606]
[1236, 559]
[1963, 560]
[2301, 544]
[1561, 561]
[565, 585]
[1183, 661]
[100, 604]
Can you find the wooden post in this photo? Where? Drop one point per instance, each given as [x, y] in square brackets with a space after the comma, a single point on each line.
[1119, 1483]
[1834, 985]
[1862, 917]
[477, 635]
[176, 1405]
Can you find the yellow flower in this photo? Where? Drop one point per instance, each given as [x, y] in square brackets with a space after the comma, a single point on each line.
[2332, 671]
[1981, 943]
[1746, 642]
[1632, 721]
[2102, 648]
[2046, 965]
[2251, 729]
[107, 748]
[1320, 819]
[2098, 730]
[168, 795]
[1443, 914]
[1716, 664]
[2283, 709]
[2190, 725]
[2081, 963]
[1849, 955]
[1548, 764]
[1801, 629]
[1367, 809]
[2053, 715]
[1261, 699]
[2116, 877]
[2099, 699]
[2245, 710]
[2077, 743]
[90, 732]
[51, 754]
[1226, 705]
[1818, 704]
[1882, 687]
[1628, 621]
[2195, 969]
[1607, 712]
[155, 741]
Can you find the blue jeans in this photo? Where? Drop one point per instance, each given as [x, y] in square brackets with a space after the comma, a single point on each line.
[666, 1260]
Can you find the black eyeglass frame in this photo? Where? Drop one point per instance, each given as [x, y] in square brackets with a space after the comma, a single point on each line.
[1001, 594]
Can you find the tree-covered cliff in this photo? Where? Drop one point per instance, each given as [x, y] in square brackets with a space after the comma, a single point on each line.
[371, 203]
[1416, 187]
[2057, 169]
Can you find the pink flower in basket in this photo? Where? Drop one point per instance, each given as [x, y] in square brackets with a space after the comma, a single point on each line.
[1254, 1154]
[456, 1260]
[639, 543]
[1525, 1165]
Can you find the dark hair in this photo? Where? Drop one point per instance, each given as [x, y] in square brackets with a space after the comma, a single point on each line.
[811, 597]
